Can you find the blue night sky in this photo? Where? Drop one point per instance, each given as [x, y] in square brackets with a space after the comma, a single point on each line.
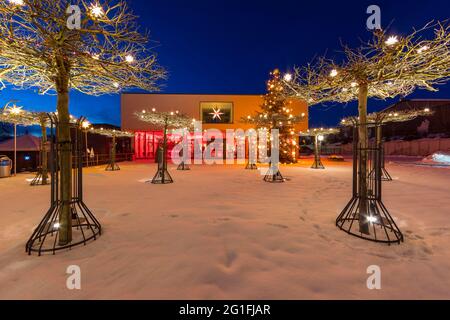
[229, 46]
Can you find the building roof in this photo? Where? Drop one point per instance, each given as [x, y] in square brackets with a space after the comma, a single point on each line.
[418, 104]
[24, 143]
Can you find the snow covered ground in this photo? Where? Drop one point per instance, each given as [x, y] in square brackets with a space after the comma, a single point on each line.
[222, 233]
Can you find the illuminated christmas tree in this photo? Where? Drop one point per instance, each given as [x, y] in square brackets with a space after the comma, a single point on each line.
[277, 114]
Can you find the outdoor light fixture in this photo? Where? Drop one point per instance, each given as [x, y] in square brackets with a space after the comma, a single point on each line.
[321, 138]
[427, 110]
[86, 124]
[16, 2]
[372, 219]
[391, 40]
[288, 77]
[96, 11]
[333, 73]
[422, 49]
[129, 58]
[15, 110]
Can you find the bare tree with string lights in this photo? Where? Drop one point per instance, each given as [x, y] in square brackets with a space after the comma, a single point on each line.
[377, 121]
[386, 67]
[104, 54]
[165, 121]
[16, 116]
[113, 134]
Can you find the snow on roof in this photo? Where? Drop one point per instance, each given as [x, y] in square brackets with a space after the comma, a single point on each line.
[24, 143]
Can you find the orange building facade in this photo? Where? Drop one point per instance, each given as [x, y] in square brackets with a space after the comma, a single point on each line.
[220, 112]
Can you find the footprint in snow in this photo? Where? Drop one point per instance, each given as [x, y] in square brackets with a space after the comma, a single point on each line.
[278, 226]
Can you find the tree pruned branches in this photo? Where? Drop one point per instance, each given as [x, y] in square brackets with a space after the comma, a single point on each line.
[106, 55]
[389, 66]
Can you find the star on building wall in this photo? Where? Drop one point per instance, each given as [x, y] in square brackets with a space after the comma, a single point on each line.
[217, 114]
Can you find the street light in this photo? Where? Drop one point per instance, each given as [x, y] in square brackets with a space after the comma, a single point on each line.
[15, 111]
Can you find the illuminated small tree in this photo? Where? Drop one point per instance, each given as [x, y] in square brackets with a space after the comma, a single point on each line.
[319, 136]
[15, 115]
[113, 134]
[277, 113]
[164, 120]
[104, 54]
[387, 67]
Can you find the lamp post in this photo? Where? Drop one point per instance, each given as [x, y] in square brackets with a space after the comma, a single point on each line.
[13, 112]
[86, 125]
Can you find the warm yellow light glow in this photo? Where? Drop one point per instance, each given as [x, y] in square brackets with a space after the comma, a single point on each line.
[86, 124]
[288, 77]
[372, 219]
[321, 138]
[15, 110]
[333, 73]
[422, 49]
[391, 40]
[129, 58]
[354, 84]
[96, 10]
[427, 110]
[16, 2]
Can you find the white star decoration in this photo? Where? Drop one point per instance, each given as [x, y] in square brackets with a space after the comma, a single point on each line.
[216, 114]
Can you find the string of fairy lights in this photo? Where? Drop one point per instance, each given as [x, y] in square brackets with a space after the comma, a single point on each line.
[278, 113]
[112, 133]
[166, 119]
[380, 118]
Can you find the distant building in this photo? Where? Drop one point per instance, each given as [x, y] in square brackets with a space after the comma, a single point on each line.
[231, 108]
[28, 148]
[435, 125]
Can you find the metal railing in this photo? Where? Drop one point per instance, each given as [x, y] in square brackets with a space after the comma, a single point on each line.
[103, 159]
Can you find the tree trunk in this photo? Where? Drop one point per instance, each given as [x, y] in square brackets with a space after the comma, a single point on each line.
[316, 150]
[363, 144]
[165, 147]
[65, 164]
[113, 153]
[44, 170]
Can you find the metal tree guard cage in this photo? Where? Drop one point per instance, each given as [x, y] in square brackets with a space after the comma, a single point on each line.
[317, 159]
[274, 175]
[162, 176]
[39, 180]
[251, 166]
[183, 167]
[385, 176]
[382, 227]
[85, 226]
[112, 165]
